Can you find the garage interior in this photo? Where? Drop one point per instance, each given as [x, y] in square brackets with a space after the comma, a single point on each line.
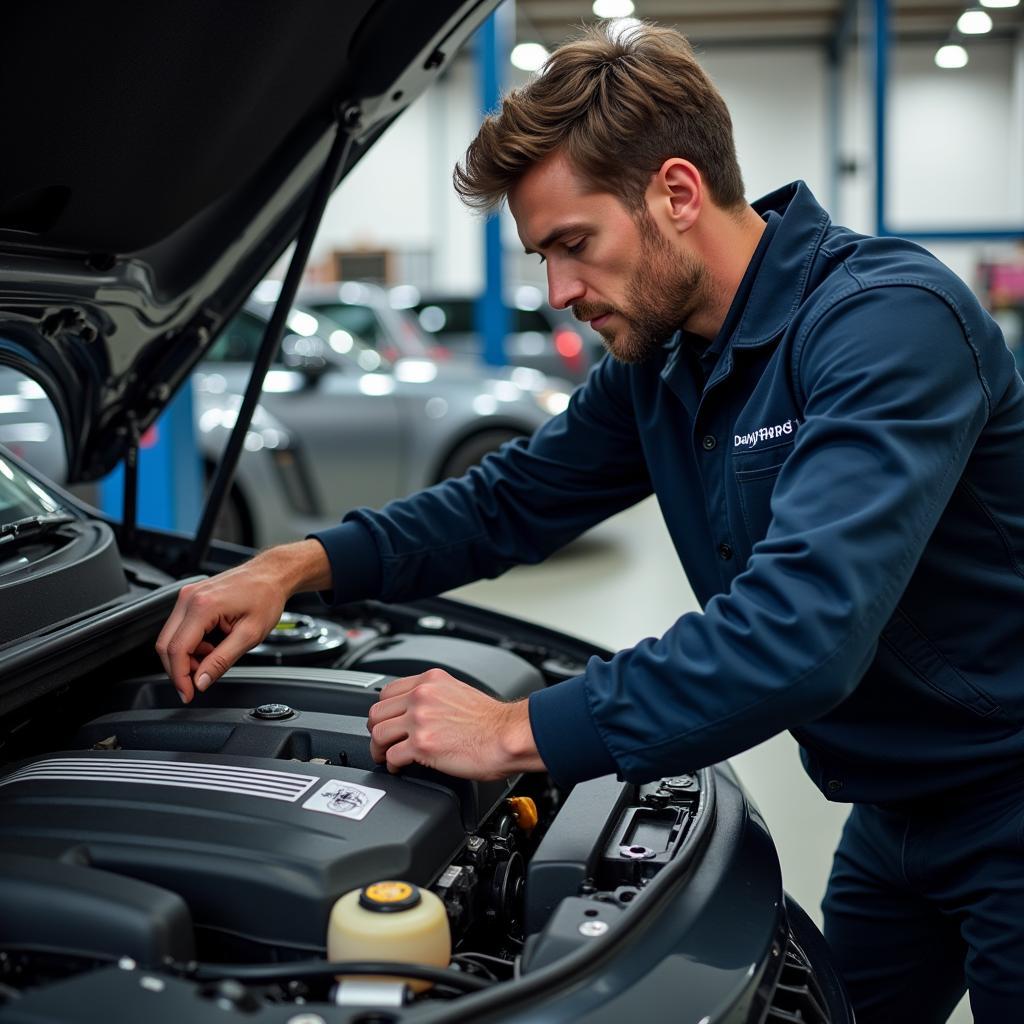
[903, 119]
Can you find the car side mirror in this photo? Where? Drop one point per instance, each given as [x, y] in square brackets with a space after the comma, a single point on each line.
[305, 355]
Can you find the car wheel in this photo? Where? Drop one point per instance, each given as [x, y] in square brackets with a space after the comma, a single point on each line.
[473, 449]
[233, 523]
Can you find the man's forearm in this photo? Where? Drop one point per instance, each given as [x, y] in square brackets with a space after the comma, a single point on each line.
[300, 566]
[515, 738]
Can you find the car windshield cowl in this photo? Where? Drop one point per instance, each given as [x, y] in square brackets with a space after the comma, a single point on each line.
[24, 504]
[34, 526]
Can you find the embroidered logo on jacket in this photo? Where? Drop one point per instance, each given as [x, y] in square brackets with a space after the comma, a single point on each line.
[756, 437]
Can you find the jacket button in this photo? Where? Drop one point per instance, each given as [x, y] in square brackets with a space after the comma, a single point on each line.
[834, 785]
[724, 552]
[709, 442]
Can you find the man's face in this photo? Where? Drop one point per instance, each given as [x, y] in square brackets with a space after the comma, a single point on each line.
[615, 269]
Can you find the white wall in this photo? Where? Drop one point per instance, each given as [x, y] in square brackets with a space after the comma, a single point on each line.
[955, 146]
[777, 99]
[956, 152]
[953, 141]
[400, 195]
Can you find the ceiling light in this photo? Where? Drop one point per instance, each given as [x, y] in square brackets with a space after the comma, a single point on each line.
[529, 56]
[974, 23]
[951, 57]
[613, 8]
[620, 28]
[999, 3]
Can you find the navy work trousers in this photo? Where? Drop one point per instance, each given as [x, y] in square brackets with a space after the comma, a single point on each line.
[927, 899]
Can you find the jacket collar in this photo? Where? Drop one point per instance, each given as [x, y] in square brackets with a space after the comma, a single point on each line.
[782, 278]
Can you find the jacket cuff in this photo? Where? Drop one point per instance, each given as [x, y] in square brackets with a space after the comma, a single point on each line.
[355, 563]
[567, 739]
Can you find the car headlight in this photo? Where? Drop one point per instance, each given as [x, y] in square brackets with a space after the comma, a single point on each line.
[552, 400]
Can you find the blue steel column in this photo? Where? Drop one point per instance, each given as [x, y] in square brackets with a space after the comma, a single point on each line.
[835, 59]
[881, 101]
[491, 315]
[834, 74]
[170, 488]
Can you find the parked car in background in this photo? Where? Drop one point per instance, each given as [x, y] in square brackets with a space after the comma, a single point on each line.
[364, 310]
[338, 423]
[360, 428]
[540, 336]
[403, 320]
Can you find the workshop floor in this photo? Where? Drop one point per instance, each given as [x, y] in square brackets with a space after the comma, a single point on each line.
[621, 583]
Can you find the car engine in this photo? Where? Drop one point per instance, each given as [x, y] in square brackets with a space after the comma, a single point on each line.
[135, 830]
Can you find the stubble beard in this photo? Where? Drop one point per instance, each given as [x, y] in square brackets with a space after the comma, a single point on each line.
[664, 292]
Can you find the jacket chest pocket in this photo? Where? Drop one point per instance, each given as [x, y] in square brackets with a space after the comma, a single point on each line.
[755, 474]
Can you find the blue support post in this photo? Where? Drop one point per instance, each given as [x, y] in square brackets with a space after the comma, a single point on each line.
[170, 488]
[881, 101]
[835, 59]
[834, 74]
[491, 314]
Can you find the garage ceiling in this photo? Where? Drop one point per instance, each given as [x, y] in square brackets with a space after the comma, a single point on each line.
[751, 22]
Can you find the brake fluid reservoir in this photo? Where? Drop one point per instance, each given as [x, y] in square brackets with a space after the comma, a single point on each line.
[390, 920]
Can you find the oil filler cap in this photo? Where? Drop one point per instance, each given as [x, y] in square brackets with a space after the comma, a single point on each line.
[389, 897]
[272, 712]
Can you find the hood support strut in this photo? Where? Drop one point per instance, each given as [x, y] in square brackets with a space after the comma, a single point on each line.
[131, 490]
[336, 160]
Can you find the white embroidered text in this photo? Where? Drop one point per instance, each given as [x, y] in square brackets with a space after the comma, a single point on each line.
[756, 437]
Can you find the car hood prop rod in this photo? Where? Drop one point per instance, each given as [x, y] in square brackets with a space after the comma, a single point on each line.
[336, 160]
[131, 490]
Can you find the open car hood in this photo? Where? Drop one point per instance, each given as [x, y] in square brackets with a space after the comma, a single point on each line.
[159, 161]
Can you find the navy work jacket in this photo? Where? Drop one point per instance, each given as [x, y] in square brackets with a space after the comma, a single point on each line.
[845, 490]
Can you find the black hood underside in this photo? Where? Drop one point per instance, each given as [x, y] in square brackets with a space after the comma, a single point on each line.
[157, 161]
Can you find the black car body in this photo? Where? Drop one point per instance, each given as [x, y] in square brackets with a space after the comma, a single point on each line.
[172, 863]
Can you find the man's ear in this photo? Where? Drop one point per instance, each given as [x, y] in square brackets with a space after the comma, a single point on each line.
[676, 194]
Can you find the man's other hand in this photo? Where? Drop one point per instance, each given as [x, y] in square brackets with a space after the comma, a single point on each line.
[244, 603]
[437, 721]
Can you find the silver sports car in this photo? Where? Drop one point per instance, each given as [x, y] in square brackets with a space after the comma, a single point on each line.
[340, 425]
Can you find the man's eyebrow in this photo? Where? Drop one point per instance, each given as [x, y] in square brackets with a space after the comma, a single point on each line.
[554, 236]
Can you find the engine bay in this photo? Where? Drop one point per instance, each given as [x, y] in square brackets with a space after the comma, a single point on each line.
[210, 842]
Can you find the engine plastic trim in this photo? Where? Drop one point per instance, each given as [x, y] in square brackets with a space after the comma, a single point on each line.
[260, 782]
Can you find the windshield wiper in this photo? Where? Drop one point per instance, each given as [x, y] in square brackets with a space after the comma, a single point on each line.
[34, 526]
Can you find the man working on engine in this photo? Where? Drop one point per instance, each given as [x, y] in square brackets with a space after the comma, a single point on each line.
[835, 433]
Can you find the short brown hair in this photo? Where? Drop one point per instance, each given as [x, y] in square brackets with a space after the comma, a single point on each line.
[619, 105]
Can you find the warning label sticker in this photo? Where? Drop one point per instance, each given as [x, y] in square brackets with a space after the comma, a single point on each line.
[345, 799]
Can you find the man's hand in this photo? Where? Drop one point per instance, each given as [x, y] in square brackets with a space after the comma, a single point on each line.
[434, 720]
[244, 603]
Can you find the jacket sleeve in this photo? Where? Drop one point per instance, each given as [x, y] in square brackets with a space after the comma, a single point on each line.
[519, 505]
[894, 401]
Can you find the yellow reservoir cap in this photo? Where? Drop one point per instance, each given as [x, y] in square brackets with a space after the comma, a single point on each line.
[390, 920]
[389, 897]
[525, 811]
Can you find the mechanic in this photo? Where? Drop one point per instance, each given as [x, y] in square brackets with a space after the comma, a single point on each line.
[835, 432]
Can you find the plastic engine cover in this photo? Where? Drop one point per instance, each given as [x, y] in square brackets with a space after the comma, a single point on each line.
[259, 849]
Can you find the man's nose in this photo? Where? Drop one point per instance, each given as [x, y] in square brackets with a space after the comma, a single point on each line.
[563, 289]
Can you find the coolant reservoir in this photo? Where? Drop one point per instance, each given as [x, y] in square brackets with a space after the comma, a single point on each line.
[390, 921]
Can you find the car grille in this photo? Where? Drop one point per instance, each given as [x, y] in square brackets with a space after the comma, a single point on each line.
[798, 998]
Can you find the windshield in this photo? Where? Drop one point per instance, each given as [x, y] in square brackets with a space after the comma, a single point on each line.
[21, 497]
